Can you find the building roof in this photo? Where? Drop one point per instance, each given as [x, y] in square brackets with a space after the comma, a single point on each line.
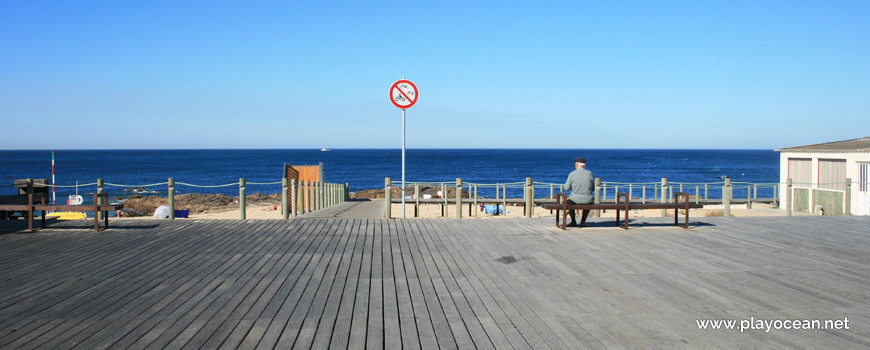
[854, 145]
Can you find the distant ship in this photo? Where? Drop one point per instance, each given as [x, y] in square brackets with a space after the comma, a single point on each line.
[324, 149]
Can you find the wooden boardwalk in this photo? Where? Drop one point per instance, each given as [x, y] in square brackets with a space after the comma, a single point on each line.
[474, 283]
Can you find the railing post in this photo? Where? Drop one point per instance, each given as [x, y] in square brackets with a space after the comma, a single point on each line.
[475, 201]
[303, 190]
[643, 196]
[530, 197]
[318, 200]
[503, 199]
[416, 200]
[726, 196]
[788, 193]
[321, 195]
[242, 198]
[100, 190]
[664, 198]
[322, 189]
[171, 195]
[706, 187]
[294, 198]
[285, 211]
[847, 207]
[444, 197]
[388, 200]
[748, 197]
[597, 198]
[775, 195]
[459, 198]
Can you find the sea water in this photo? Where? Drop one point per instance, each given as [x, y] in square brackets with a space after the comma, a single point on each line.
[367, 168]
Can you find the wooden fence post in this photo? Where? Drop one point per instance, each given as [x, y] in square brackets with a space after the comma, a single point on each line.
[416, 200]
[285, 210]
[726, 197]
[388, 200]
[171, 191]
[242, 198]
[788, 191]
[475, 201]
[664, 198]
[303, 190]
[847, 207]
[597, 213]
[529, 197]
[444, 196]
[321, 188]
[459, 198]
[294, 198]
[100, 189]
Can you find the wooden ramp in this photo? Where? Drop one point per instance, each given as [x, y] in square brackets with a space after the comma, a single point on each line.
[487, 283]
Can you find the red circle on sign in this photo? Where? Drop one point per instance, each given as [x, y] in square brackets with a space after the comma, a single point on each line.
[402, 94]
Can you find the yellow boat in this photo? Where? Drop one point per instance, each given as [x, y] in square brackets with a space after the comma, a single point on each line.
[67, 215]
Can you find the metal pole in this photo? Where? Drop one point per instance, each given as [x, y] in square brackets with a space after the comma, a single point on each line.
[53, 188]
[403, 163]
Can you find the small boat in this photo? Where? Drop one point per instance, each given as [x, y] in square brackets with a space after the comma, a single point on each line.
[67, 215]
[324, 149]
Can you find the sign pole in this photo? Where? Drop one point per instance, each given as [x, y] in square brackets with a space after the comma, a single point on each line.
[403, 94]
[403, 163]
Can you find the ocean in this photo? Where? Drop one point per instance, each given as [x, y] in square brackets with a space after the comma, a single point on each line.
[367, 168]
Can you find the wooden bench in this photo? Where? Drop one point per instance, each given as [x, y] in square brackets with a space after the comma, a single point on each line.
[622, 204]
[29, 206]
[23, 205]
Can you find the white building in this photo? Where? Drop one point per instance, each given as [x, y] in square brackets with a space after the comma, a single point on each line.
[819, 174]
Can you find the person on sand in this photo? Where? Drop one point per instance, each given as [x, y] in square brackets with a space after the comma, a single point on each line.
[580, 183]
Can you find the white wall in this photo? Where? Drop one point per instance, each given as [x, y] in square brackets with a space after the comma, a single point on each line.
[852, 159]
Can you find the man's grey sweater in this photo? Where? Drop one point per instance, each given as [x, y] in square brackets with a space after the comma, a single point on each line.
[581, 184]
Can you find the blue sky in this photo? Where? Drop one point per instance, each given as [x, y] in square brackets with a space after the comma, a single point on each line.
[578, 74]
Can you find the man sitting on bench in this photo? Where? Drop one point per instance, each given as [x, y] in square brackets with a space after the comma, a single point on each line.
[580, 184]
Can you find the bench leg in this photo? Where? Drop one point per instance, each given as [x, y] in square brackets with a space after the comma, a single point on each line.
[676, 217]
[564, 217]
[687, 218]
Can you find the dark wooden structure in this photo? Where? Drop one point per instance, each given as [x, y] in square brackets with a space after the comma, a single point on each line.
[32, 199]
[623, 203]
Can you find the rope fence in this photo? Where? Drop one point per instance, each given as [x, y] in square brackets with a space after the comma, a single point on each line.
[530, 193]
[297, 197]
